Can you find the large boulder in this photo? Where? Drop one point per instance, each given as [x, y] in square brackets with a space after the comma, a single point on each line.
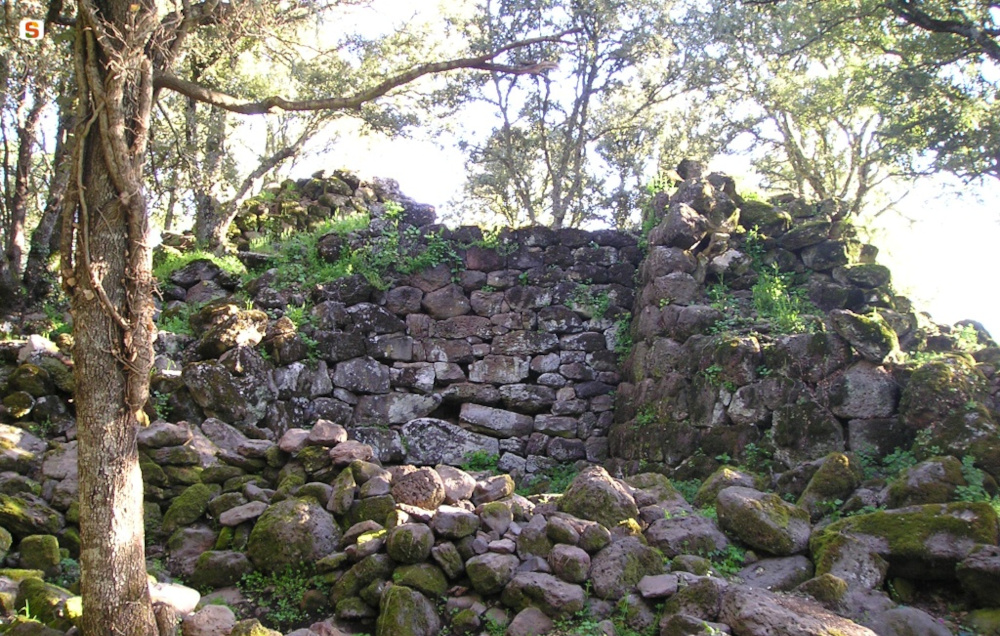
[763, 520]
[556, 598]
[406, 612]
[430, 441]
[756, 612]
[292, 532]
[620, 566]
[596, 496]
[918, 542]
[490, 572]
[422, 487]
[870, 335]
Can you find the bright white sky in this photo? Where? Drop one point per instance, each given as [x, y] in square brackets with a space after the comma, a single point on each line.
[944, 257]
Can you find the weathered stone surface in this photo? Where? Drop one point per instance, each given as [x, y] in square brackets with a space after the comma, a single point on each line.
[25, 514]
[527, 398]
[292, 532]
[490, 572]
[410, 543]
[919, 542]
[350, 451]
[685, 534]
[493, 489]
[594, 495]
[621, 565]
[780, 574]
[755, 612]
[327, 433]
[458, 484]
[682, 227]
[240, 514]
[362, 375]
[422, 488]
[211, 620]
[864, 391]
[406, 612]
[499, 369]
[804, 431]
[393, 408]
[870, 335]
[430, 441]
[495, 422]
[556, 598]
[569, 563]
[979, 574]
[454, 523]
[447, 302]
[763, 521]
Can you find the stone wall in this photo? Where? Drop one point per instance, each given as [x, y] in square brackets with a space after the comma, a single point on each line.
[509, 348]
[712, 376]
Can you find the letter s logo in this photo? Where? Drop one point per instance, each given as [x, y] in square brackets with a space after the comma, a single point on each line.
[32, 29]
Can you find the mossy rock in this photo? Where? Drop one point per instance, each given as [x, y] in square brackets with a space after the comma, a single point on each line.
[986, 622]
[724, 477]
[769, 220]
[490, 572]
[657, 485]
[6, 540]
[60, 374]
[344, 489]
[919, 542]
[838, 476]
[219, 568]
[930, 482]
[314, 458]
[189, 506]
[375, 509]
[825, 588]
[31, 379]
[361, 574]
[152, 473]
[221, 474]
[183, 475]
[46, 602]
[410, 543]
[763, 521]
[702, 598]
[423, 577]
[25, 515]
[292, 532]
[869, 334]
[938, 388]
[594, 495]
[406, 612]
[19, 404]
[252, 627]
[355, 608]
[40, 552]
[24, 626]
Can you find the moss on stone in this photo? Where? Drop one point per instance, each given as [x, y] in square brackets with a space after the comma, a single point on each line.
[825, 588]
[45, 601]
[838, 476]
[375, 509]
[424, 577]
[189, 506]
[40, 552]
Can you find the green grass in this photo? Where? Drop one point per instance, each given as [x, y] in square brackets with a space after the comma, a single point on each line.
[553, 480]
[279, 595]
[480, 460]
[171, 262]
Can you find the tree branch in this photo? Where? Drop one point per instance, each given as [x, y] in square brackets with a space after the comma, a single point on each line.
[907, 10]
[354, 102]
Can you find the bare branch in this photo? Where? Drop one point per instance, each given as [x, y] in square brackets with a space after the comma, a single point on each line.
[354, 102]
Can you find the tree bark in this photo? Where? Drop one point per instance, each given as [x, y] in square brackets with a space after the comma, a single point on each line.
[107, 273]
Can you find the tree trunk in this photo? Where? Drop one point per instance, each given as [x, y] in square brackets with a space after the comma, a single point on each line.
[106, 270]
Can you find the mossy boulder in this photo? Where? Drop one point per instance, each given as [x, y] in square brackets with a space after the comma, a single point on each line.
[48, 603]
[252, 627]
[361, 575]
[805, 430]
[869, 334]
[930, 482]
[344, 489]
[490, 572]
[31, 379]
[768, 219]
[838, 476]
[19, 404]
[616, 569]
[189, 506]
[40, 552]
[292, 532]
[938, 388]
[6, 540]
[406, 612]
[825, 588]
[596, 496]
[425, 578]
[26, 514]
[410, 543]
[918, 542]
[763, 520]
[24, 626]
[219, 568]
[724, 477]
[371, 509]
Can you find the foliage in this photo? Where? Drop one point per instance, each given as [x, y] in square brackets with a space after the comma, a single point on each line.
[595, 302]
[279, 595]
[688, 488]
[623, 335]
[69, 573]
[728, 561]
[171, 261]
[551, 480]
[178, 320]
[480, 460]
[161, 404]
[778, 302]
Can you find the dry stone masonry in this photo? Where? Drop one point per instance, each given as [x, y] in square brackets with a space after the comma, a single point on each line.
[748, 354]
